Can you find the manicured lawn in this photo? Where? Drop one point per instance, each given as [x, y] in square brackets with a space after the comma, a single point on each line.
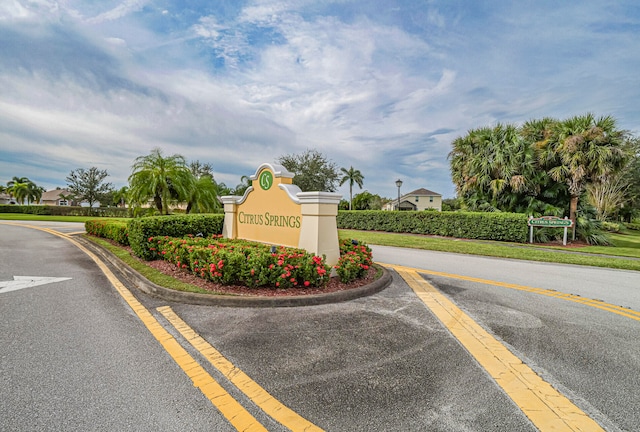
[506, 250]
[626, 244]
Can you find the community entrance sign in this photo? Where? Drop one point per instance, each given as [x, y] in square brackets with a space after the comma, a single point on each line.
[273, 210]
[549, 221]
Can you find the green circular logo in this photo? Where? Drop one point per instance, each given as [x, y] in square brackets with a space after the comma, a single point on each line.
[266, 180]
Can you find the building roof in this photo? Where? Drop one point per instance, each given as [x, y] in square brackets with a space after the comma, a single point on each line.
[54, 195]
[421, 192]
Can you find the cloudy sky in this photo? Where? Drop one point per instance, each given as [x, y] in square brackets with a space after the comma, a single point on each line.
[383, 86]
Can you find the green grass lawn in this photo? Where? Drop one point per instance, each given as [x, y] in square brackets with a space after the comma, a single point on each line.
[590, 256]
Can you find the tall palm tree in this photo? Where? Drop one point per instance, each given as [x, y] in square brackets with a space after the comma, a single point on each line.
[353, 176]
[584, 149]
[155, 177]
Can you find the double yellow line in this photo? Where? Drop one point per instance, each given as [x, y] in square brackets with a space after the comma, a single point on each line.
[229, 407]
[548, 409]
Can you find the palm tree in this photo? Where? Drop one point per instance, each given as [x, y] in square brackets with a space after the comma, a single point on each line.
[585, 149]
[120, 197]
[155, 177]
[242, 187]
[353, 176]
[203, 197]
[35, 193]
[19, 188]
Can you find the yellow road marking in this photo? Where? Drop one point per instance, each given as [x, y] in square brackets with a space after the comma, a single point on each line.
[242, 381]
[235, 413]
[619, 310]
[548, 409]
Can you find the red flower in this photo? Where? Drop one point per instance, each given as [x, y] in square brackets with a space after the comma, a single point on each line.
[307, 283]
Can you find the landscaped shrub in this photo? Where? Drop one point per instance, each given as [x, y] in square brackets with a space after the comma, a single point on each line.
[110, 229]
[26, 209]
[633, 226]
[65, 210]
[240, 262]
[142, 229]
[355, 260]
[470, 225]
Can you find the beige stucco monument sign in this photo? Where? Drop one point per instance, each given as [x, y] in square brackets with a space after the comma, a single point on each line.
[275, 211]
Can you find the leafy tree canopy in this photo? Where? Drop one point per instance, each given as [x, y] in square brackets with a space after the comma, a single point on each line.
[312, 170]
[88, 185]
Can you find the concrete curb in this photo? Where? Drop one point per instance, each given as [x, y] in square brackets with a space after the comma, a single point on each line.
[148, 287]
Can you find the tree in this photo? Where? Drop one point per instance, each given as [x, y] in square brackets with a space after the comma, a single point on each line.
[35, 193]
[88, 185]
[495, 169]
[367, 201]
[631, 178]
[203, 196]
[22, 188]
[120, 197]
[157, 178]
[242, 187]
[607, 195]
[539, 168]
[584, 150]
[353, 176]
[312, 171]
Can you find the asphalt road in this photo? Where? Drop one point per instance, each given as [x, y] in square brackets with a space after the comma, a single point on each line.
[75, 357]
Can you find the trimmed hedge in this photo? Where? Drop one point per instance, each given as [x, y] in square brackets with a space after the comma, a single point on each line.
[469, 225]
[143, 229]
[25, 209]
[113, 230]
[65, 210]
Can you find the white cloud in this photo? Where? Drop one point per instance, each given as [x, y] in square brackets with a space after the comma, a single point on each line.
[123, 9]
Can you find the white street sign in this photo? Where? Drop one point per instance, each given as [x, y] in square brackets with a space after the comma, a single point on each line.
[20, 282]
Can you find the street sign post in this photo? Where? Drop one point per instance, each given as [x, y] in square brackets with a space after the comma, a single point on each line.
[549, 222]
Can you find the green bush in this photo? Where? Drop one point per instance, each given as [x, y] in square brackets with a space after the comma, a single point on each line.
[143, 229]
[633, 226]
[355, 259]
[113, 230]
[470, 225]
[65, 210]
[241, 262]
[25, 209]
[613, 227]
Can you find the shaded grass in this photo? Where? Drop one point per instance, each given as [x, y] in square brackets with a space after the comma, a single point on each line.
[150, 273]
[625, 244]
[494, 249]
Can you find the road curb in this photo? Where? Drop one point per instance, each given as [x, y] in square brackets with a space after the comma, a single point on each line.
[150, 288]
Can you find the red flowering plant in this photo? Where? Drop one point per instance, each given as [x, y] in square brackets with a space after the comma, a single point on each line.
[240, 262]
[355, 260]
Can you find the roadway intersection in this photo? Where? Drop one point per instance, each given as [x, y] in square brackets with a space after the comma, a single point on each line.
[89, 350]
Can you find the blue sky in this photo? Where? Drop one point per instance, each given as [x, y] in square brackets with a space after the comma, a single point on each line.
[383, 86]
